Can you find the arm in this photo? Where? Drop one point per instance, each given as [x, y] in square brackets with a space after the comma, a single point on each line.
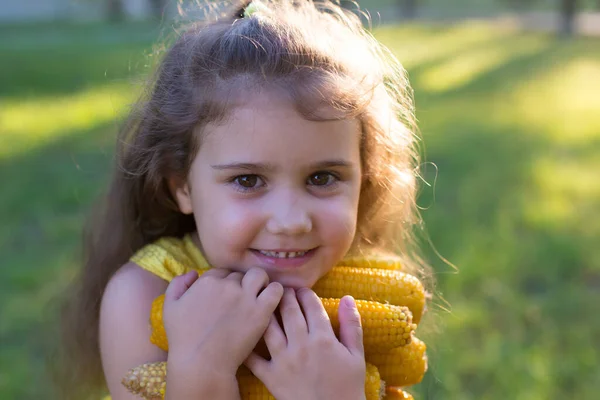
[124, 334]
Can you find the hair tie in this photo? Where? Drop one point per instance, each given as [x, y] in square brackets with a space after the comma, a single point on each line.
[252, 8]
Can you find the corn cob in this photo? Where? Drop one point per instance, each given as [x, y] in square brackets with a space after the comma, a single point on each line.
[384, 286]
[402, 366]
[149, 382]
[385, 326]
[396, 393]
[374, 386]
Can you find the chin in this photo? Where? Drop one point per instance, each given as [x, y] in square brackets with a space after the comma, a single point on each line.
[294, 282]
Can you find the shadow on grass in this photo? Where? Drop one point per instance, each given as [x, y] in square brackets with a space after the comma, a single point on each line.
[59, 59]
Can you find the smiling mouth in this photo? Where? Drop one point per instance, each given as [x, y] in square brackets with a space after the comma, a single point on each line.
[282, 254]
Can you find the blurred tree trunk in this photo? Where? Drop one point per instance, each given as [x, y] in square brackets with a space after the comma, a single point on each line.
[568, 11]
[408, 8]
[158, 8]
[115, 10]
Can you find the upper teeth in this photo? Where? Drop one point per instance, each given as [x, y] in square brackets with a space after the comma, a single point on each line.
[283, 254]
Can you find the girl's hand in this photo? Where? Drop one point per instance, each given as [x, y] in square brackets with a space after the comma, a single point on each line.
[308, 361]
[213, 322]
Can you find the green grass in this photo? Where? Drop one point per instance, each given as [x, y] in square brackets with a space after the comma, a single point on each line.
[512, 139]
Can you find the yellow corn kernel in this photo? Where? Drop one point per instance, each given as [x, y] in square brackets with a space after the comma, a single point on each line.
[396, 393]
[384, 286]
[375, 262]
[149, 382]
[402, 366]
[374, 386]
[385, 326]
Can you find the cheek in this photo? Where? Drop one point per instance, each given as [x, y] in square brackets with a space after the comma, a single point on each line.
[225, 224]
[337, 220]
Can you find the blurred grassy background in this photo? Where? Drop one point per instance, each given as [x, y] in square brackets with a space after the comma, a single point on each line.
[511, 127]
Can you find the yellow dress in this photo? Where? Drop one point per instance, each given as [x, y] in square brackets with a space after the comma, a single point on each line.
[395, 357]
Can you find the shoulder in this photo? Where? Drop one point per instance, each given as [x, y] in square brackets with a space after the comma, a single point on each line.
[124, 331]
[132, 284]
[130, 291]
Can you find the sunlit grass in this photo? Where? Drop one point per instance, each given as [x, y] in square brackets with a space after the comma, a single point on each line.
[562, 106]
[454, 72]
[567, 192]
[562, 103]
[35, 121]
[416, 45]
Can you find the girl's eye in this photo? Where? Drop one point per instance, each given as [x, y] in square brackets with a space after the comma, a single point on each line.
[248, 181]
[322, 179]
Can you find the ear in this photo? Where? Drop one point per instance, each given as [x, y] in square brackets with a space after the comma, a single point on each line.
[180, 190]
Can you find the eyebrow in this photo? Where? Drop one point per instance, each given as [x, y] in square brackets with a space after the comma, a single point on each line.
[267, 167]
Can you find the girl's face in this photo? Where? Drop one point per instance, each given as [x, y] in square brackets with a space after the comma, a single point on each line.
[273, 190]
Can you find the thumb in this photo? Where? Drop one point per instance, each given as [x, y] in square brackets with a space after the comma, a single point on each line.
[351, 332]
[179, 285]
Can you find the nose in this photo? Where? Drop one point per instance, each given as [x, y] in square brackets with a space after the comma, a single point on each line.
[288, 215]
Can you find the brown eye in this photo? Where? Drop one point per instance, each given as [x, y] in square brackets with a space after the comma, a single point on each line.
[321, 179]
[247, 181]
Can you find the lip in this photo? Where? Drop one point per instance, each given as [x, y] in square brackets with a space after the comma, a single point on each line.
[284, 263]
[283, 250]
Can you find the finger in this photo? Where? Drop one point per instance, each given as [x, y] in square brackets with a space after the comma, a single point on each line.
[258, 366]
[216, 273]
[274, 337]
[179, 285]
[294, 323]
[351, 332]
[255, 280]
[314, 312]
[235, 276]
[270, 298]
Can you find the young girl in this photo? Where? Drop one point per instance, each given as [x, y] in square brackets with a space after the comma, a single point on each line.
[273, 142]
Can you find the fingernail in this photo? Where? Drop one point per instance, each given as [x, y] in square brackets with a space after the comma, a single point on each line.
[349, 302]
